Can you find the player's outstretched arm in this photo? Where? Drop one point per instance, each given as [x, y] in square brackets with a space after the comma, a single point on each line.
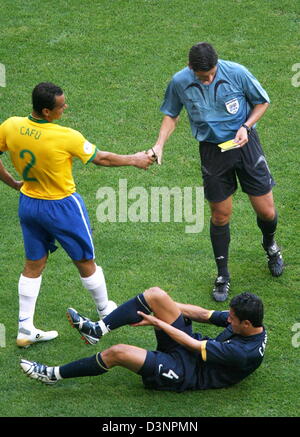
[194, 312]
[177, 335]
[7, 178]
[167, 128]
[140, 160]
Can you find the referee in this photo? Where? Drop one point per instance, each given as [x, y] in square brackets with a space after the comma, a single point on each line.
[224, 101]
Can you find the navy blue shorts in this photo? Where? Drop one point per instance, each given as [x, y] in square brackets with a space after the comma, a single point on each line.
[65, 220]
[171, 366]
[220, 170]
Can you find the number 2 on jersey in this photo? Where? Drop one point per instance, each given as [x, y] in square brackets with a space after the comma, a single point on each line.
[28, 167]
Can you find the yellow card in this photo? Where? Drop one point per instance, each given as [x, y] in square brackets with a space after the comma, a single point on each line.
[228, 145]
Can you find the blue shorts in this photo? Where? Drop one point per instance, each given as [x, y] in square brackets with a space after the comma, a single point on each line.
[171, 367]
[65, 220]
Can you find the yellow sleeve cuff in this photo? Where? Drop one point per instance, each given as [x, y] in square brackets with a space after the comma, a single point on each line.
[210, 314]
[203, 350]
[93, 156]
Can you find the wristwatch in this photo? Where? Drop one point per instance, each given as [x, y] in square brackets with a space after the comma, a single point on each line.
[247, 128]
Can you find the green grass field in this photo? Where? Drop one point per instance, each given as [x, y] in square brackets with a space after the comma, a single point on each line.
[114, 59]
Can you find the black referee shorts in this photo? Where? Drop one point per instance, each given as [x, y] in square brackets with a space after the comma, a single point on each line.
[220, 170]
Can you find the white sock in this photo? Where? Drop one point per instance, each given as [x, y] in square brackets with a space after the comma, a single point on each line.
[103, 327]
[96, 285]
[29, 289]
[56, 372]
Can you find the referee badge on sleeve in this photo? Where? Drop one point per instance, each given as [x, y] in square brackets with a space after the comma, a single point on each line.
[232, 106]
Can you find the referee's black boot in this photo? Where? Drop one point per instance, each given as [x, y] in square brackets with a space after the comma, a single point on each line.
[275, 261]
[221, 288]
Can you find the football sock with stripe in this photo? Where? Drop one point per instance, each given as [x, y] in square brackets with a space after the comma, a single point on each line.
[126, 313]
[268, 229]
[91, 366]
[220, 239]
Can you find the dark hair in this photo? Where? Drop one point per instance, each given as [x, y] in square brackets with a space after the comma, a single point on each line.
[202, 57]
[43, 96]
[248, 306]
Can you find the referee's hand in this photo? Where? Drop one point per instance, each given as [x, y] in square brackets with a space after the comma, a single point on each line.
[241, 137]
[156, 153]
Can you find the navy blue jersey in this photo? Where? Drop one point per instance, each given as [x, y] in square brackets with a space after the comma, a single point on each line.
[222, 362]
[216, 111]
[230, 357]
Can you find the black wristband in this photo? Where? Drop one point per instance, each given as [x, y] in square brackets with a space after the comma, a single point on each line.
[247, 128]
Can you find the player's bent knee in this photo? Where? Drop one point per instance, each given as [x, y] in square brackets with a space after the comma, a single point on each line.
[118, 353]
[85, 267]
[34, 268]
[154, 293]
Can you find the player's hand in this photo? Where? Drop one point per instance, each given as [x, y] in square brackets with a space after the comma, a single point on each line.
[18, 185]
[241, 137]
[143, 160]
[147, 320]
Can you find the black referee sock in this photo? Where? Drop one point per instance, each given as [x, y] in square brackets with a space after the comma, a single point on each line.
[126, 314]
[220, 239]
[91, 366]
[268, 229]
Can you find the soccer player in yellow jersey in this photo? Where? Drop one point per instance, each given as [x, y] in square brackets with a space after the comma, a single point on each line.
[42, 153]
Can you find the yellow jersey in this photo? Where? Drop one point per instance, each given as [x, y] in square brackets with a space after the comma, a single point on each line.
[42, 154]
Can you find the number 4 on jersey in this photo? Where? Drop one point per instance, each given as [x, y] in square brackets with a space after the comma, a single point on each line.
[171, 374]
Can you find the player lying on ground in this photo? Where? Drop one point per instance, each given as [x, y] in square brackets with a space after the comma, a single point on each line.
[182, 360]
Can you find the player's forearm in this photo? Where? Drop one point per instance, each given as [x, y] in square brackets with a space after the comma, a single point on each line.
[195, 312]
[179, 336]
[8, 179]
[108, 159]
[256, 114]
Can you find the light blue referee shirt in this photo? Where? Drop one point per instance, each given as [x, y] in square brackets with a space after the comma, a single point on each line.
[216, 111]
